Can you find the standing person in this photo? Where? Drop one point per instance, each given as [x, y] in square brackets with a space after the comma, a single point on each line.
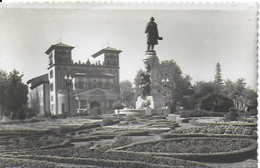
[152, 34]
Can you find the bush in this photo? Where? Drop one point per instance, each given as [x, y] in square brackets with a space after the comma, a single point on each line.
[253, 112]
[121, 141]
[118, 105]
[108, 121]
[200, 113]
[215, 102]
[95, 111]
[232, 115]
[129, 118]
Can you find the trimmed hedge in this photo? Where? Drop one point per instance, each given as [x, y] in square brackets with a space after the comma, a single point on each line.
[109, 121]
[67, 129]
[92, 138]
[200, 113]
[148, 158]
[95, 162]
[15, 162]
[230, 156]
[168, 136]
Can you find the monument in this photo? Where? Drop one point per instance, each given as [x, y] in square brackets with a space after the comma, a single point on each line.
[151, 96]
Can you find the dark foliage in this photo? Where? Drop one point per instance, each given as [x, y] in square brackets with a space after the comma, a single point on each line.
[215, 102]
[200, 113]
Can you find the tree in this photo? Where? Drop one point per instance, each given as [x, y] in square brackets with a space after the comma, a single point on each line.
[3, 85]
[203, 89]
[126, 93]
[216, 102]
[179, 84]
[236, 91]
[13, 95]
[218, 77]
[250, 98]
[137, 83]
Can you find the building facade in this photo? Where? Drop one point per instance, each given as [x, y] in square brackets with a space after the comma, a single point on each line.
[75, 87]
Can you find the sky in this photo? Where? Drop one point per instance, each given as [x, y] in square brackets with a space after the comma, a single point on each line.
[197, 37]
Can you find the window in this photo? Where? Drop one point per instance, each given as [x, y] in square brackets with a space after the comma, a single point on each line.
[51, 74]
[51, 86]
[51, 98]
[52, 107]
[83, 103]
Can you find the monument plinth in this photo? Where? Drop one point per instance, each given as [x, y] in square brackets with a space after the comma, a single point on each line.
[154, 97]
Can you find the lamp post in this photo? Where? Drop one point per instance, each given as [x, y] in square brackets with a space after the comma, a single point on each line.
[68, 80]
[165, 88]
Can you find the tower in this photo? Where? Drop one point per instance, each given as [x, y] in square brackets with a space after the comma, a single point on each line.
[59, 66]
[111, 61]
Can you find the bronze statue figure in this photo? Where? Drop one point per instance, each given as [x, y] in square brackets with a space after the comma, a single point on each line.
[145, 85]
[152, 34]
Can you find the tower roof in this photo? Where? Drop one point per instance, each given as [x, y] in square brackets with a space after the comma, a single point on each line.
[106, 50]
[59, 46]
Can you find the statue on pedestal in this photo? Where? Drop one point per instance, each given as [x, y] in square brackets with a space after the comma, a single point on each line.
[152, 34]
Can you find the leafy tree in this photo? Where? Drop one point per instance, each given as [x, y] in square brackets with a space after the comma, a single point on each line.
[201, 90]
[217, 103]
[126, 93]
[179, 84]
[250, 97]
[3, 85]
[177, 88]
[236, 91]
[242, 97]
[14, 95]
[218, 76]
[137, 83]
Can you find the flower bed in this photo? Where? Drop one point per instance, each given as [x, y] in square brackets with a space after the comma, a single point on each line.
[193, 145]
[14, 162]
[29, 144]
[218, 129]
[112, 158]
[200, 149]
[99, 162]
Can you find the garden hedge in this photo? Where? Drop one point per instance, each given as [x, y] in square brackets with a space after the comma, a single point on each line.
[95, 162]
[232, 156]
[167, 136]
[200, 113]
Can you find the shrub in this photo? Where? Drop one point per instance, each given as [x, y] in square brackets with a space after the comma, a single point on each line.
[121, 141]
[118, 105]
[95, 111]
[253, 112]
[231, 116]
[129, 118]
[108, 121]
[215, 102]
[200, 113]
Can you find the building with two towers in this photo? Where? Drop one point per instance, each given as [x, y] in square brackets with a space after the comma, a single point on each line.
[73, 87]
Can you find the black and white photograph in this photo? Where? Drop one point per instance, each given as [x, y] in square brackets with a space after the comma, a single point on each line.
[135, 85]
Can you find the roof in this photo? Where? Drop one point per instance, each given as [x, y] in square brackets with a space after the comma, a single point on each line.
[106, 50]
[59, 46]
[93, 74]
[38, 81]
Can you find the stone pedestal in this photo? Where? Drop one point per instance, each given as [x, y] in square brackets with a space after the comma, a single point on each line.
[156, 98]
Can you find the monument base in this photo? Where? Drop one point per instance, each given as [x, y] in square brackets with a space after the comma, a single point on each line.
[149, 100]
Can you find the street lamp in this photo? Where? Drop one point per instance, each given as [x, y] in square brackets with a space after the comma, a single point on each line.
[165, 88]
[68, 80]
